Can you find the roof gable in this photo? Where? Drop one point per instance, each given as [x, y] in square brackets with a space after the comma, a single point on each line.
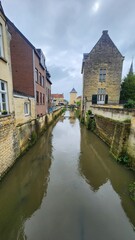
[105, 42]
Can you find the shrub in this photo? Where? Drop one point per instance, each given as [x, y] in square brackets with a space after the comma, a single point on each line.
[132, 190]
[124, 159]
[130, 104]
[33, 137]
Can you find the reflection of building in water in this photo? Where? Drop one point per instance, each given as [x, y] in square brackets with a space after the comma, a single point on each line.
[72, 117]
[97, 167]
[23, 189]
[91, 162]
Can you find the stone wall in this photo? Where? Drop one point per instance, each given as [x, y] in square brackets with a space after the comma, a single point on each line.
[114, 133]
[9, 145]
[114, 127]
[15, 139]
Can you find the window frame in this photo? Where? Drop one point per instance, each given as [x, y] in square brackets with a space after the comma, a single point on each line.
[1, 42]
[3, 91]
[102, 75]
[26, 108]
[37, 97]
[36, 75]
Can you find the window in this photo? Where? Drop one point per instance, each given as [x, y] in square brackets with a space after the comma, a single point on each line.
[37, 97]
[102, 75]
[26, 108]
[3, 97]
[40, 79]
[43, 81]
[101, 95]
[40, 98]
[1, 43]
[36, 75]
[43, 98]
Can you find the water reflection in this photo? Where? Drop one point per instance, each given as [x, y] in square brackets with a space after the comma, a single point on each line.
[22, 190]
[67, 187]
[98, 168]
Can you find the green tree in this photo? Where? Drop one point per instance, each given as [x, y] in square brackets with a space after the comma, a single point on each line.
[128, 88]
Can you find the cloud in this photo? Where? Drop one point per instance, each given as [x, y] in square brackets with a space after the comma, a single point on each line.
[65, 29]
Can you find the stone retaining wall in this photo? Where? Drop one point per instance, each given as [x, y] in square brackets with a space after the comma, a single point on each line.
[114, 128]
[15, 139]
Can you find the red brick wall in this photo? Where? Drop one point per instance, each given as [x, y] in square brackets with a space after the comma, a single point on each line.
[22, 63]
[40, 108]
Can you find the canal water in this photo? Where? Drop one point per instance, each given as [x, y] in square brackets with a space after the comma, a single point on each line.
[67, 187]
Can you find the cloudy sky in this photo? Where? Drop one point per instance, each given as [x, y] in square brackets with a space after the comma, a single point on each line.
[65, 29]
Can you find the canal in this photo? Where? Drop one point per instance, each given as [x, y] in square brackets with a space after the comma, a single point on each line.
[67, 187]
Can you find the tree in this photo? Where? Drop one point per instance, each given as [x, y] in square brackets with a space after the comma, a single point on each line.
[128, 88]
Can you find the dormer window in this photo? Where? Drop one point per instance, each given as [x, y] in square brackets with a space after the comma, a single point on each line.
[102, 75]
[1, 43]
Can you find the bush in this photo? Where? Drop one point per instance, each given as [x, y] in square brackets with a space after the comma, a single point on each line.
[33, 137]
[132, 190]
[124, 159]
[82, 120]
[130, 104]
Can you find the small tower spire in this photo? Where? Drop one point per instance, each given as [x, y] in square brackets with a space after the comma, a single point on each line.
[131, 68]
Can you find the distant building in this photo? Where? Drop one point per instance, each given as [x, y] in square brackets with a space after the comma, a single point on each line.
[73, 96]
[6, 86]
[57, 99]
[102, 70]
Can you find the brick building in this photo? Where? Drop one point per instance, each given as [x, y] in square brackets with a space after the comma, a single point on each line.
[29, 71]
[102, 70]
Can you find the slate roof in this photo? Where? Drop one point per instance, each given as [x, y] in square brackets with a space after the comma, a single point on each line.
[73, 91]
[104, 41]
[1, 9]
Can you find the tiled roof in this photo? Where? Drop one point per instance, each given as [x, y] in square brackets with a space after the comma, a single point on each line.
[57, 95]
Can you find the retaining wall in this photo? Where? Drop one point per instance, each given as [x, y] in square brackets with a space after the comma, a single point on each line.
[116, 126]
[15, 139]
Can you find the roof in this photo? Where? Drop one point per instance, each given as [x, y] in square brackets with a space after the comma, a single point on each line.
[104, 41]
[1, 9]
[79, 97]
[73, 91]
[57, 95]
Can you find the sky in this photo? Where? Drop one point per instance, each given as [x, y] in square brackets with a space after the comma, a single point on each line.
[65, 29]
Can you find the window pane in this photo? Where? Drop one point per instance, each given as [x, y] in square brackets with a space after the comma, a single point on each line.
[3, 97]
[2, 86]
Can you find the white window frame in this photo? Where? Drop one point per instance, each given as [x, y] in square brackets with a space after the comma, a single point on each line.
[1, 42]
[102, 75]
[27, 108]
[2, 103]
[101, 96]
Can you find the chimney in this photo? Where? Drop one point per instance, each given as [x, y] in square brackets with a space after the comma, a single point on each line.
[105, 32]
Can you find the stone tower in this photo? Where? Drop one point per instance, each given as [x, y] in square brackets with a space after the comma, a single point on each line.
[102, 70]
[73, 96]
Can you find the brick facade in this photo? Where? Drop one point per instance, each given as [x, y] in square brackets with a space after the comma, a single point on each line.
[22, 62]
